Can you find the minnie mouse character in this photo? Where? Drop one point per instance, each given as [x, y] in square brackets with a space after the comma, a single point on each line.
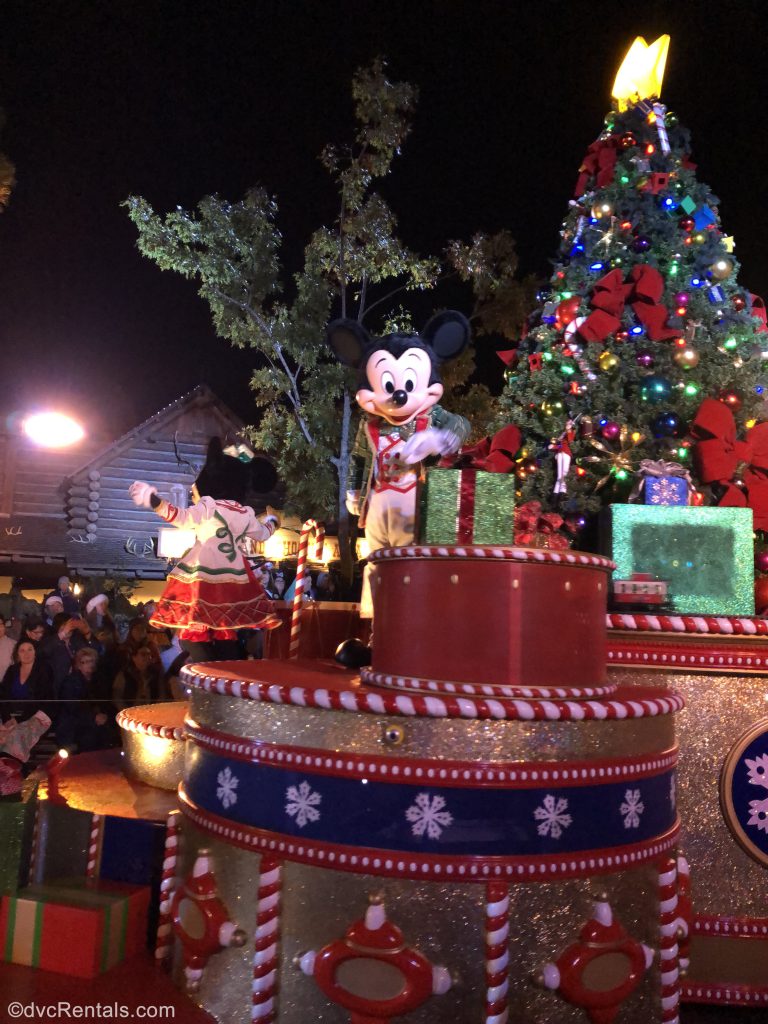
[399, 387]
[213, 591]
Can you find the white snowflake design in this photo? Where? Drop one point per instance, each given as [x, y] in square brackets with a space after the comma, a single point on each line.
[302, 803]
[632, 808]
[673, 791]
[552, 816]
[427, 815]
[759, 814]
[226, 789]
[758, 770]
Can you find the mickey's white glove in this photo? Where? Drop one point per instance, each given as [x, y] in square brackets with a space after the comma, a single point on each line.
[352, 502]
[428, 442]
[141, 493]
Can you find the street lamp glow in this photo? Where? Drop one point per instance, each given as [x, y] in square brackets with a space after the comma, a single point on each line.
[53, 430]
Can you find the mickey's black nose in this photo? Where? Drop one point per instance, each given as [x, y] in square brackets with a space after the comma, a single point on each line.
[399, 398]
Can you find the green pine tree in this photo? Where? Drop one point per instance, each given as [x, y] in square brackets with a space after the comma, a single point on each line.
[644, 317]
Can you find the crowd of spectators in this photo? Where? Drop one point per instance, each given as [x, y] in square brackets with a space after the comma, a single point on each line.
[73, 663]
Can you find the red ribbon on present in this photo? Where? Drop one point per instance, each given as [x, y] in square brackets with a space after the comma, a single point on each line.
[600, 163]
[492, 455]
[719, 452]
[539, 529]
[643, 290]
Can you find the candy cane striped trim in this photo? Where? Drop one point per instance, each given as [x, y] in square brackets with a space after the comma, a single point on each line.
[265, 944]
[164, 937]
[94, 845]
[34, 852]
[643, 706]
[428, 867]
[499, 774]
[743, 927]
[512, 554]
[301, 566]
[496, 953]
[668, 925]
[130, 723]
[720, 625]
[395, 682]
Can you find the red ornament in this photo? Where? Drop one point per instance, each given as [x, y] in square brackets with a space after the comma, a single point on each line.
[761, 561]
[566, 311]
[582, 980]
[201, 922]
[627, 140]
[761, 595]
[687, 224]
[374, 939]
[739, 302]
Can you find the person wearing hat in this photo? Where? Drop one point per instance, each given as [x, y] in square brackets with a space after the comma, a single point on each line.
[64, 592]
[52, 607]
[212, 591]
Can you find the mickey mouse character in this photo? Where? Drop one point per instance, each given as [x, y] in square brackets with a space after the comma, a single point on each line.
[213, 591]
[399, 388]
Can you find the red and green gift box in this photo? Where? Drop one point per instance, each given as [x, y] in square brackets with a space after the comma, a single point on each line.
[471, 501]
[79, 928]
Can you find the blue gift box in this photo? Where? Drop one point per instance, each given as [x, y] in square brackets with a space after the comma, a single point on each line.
[666, 490]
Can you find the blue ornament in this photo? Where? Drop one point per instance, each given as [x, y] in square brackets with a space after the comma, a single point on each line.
[667, 424]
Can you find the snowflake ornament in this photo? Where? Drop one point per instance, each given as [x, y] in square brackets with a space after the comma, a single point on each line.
[427, 815]
[226, 789]
[632, 808]
[759, 814]
[758, 770]
[302, 803]
[552, 816]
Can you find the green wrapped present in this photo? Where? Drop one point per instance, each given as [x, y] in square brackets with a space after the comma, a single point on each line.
[17, 823]
[466, 506]
[704, 554]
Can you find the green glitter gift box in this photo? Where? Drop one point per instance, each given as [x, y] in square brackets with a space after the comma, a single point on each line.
[17, 820]
[705, 554]
[466, 506]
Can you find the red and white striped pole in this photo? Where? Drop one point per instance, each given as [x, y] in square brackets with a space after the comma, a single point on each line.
[94, 845]
[164, 937]
[668, 925]
[34, 853]
[496, 953]
[301, 574]
[265, 962]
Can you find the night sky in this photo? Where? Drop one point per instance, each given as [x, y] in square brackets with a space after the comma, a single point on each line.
[174, 100]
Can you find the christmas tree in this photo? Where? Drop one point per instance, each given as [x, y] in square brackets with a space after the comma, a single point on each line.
[644, 318]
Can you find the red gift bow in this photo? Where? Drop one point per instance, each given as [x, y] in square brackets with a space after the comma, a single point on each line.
[600, 161]
[530, 522]
[758, 311]
[492, 455]
[643, 291]
[718, 453]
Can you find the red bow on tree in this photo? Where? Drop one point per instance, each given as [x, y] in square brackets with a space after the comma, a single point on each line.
[720, 454]
[643, 291]
[536, 529]
[492, 455]
[600, 163]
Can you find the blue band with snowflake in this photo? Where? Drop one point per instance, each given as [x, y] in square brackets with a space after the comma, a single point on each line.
[419, 818]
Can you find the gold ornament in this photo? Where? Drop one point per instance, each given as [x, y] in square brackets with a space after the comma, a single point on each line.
[618, 462]
[721, 268]
[687, 358]
[607, 361]
[602, 210]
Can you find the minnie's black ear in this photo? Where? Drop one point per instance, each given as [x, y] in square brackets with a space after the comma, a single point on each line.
[348, 339]
[447, 334]
[215, 451]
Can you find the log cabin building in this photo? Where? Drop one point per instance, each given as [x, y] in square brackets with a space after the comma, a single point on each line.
[67, 511]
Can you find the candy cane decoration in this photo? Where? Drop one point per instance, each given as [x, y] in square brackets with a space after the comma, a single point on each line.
[34, 853]
[668, 925]
[94, 845]
[307, 528]
[265, 942]
[684, 911]
[164, 938]
[496, 953]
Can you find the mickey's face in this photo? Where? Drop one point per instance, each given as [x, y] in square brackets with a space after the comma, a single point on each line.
[398, 387]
